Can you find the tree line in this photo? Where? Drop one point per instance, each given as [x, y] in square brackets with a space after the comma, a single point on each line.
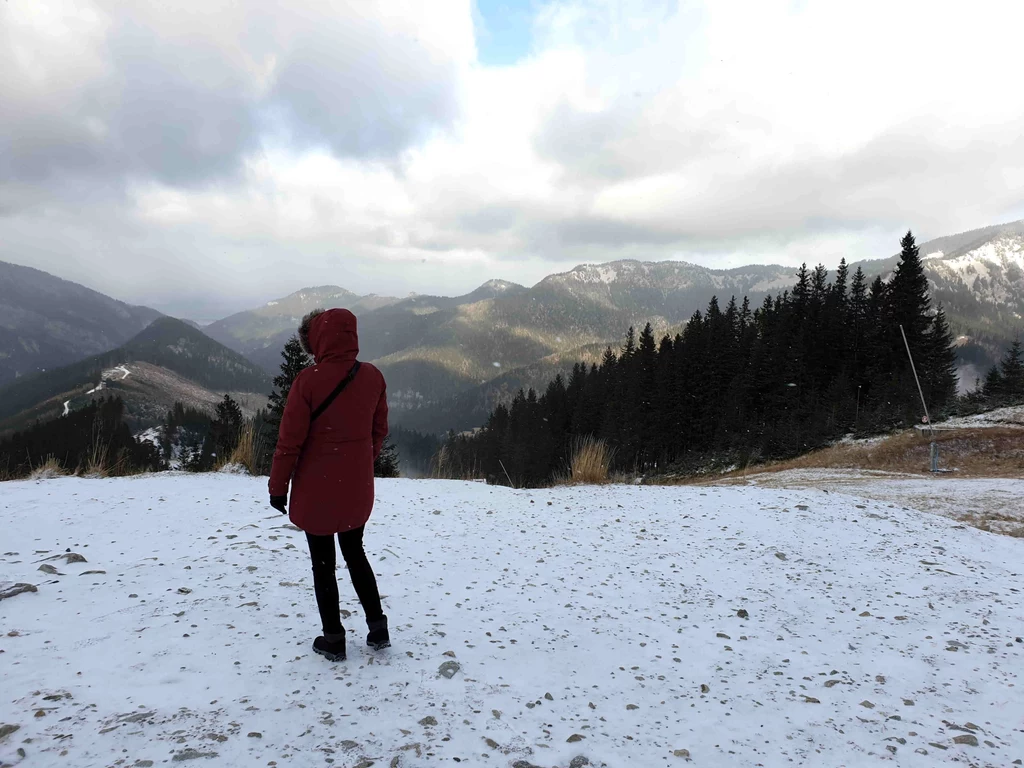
[737, 385]
[90, 440]
[189, 438]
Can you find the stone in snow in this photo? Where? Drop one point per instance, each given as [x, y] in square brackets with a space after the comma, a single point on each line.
[10, 590]
[191, 754]
[449, 669]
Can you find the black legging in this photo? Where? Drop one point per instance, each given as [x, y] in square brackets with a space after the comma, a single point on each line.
[325, 584]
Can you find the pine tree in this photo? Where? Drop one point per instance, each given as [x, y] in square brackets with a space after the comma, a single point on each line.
[387, 463]
[939, 371]
[839, 287]
[802, 291]
[227, 426]
[819, 285]
[857, 321]
[1011, 370]
[295, 360]
[907, 297]
[993, 387]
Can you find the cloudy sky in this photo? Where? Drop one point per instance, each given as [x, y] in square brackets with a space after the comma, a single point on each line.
[201, 157]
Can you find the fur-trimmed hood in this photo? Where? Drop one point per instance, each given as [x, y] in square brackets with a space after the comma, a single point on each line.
[330, 335]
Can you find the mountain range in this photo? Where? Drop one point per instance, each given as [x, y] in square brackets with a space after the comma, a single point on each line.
[46, 322]
[448, 360]
[169, 361]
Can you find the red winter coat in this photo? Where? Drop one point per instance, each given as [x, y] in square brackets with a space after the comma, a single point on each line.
[330, 463]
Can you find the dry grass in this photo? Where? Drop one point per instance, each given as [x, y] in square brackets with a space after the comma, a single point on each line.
[983, 452]
[48, 470]
[445, 467]
[100, 463]
[590, 463]
[996, 522]
[97, 462]
[249, 449]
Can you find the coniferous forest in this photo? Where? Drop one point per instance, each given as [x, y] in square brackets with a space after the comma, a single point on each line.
[737, 384]
[93, 439]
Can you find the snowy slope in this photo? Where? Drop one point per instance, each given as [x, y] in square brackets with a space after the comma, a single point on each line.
[997, 501]
[585, 621]
[991, 272]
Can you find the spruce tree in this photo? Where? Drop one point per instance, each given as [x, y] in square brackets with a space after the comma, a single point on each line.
[802, 290]
[993, 387]
[387, 464]
[293, 363]
[839, 287]
[819, 285]
[939, 371]
[227, 426]
[856, 320]
[1011, 370]
[907, 297]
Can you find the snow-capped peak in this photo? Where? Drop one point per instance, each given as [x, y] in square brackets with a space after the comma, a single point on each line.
[498, 286]
[990, 271]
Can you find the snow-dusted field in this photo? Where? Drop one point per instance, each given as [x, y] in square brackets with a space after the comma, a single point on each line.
[601, 623]
[997, 501]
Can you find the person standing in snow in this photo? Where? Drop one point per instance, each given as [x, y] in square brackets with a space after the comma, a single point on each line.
[332, 430]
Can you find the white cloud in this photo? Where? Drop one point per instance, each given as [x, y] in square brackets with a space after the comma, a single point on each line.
[368, 147]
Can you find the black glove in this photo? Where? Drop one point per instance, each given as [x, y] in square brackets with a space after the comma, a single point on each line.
[278, 503]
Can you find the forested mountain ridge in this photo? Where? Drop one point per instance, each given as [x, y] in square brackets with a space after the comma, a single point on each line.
[446, 357]
[179, 362]
[739, 384]
[47, 322]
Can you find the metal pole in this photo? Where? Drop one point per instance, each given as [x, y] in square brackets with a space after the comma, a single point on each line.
[917, 380]
[511, 484]
[931, 433]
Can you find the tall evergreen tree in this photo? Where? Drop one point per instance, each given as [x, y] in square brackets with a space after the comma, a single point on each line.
[907, 297]
[939, 372]
[993, 386]
[227, 426]
[294, 360]
[839, 287]
[1011, 369]
[802, 290]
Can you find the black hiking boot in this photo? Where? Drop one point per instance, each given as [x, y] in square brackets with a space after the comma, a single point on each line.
[331, 647]
[378, 637]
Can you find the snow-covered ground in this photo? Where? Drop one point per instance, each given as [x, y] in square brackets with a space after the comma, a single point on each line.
[1012, 416]
[996, 501]
[631, 626]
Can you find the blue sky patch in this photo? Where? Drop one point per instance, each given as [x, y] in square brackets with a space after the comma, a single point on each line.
[504, 30]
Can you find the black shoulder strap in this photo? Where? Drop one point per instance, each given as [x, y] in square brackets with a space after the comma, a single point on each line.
[337, 391]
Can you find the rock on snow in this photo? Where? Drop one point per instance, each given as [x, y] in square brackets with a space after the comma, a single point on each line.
[626, 626]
